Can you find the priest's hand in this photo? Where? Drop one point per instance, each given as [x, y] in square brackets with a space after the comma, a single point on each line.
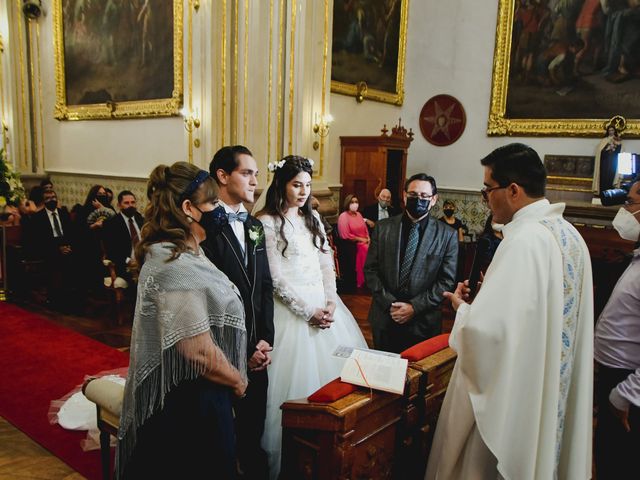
[460, 296]
[401, 312]
[622, 415]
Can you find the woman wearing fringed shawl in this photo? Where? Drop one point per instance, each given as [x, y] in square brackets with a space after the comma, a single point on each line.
[188, 345]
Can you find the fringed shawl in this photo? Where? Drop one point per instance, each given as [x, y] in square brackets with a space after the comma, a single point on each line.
[183, 305]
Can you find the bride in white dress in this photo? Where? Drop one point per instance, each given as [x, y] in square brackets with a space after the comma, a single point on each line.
[310, 319]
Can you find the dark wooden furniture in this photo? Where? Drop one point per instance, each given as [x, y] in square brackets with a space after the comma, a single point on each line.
[370, 164]
[107, 396]
[366, 436]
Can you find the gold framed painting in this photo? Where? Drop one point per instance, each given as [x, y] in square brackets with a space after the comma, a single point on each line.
[117, 59]
[368, 49]
[564, 71]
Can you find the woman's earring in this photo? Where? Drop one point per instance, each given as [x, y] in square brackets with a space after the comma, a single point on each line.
[189, 220]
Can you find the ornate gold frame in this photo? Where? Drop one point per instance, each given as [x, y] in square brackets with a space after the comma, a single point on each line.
[361, 91]
[499, 125]
[142, 108]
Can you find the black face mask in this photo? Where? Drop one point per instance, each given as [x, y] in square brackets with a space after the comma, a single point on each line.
[448, 212]
[51, 205]
[417, 207]
[129, 211]
[103, 199]
[213, 220]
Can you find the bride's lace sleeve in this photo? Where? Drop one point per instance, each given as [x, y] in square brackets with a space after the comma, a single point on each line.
[327, 267]
[281, 288]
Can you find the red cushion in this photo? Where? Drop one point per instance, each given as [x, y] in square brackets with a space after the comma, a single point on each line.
[428, 347]
[332, 391]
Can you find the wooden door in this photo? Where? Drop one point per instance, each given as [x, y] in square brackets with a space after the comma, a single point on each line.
[364, 171]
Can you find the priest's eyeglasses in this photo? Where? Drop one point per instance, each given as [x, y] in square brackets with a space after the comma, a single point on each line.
[423, 196]
[485, 191]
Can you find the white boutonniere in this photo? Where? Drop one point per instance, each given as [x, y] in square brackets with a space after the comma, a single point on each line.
[256, 235]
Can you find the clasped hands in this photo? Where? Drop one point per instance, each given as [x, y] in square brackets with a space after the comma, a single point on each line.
[401, 312]
[323, 317]
[261, 358]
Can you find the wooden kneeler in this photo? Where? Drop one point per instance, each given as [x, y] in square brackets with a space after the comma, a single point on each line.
[107, 396]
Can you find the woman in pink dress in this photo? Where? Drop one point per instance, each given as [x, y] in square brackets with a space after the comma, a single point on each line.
[351, 227]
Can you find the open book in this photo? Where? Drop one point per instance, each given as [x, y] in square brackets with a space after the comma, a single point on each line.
[376, 370]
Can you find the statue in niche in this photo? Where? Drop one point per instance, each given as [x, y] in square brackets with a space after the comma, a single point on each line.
[606, 161]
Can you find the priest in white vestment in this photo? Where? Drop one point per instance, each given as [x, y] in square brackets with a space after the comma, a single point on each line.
[519, 404]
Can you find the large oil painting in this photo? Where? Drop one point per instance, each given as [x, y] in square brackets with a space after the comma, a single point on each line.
[563, 67]
[368, 49]
[118, 58]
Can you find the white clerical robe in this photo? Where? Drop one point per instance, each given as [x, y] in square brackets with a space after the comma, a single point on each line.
[519, 404]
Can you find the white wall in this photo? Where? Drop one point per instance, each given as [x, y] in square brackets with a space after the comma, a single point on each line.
[449, 50]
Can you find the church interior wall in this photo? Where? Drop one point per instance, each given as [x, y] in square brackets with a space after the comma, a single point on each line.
[449, 50]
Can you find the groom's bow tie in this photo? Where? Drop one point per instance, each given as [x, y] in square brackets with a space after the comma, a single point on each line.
[237, 217]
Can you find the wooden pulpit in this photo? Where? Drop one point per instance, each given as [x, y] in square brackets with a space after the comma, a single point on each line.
[367, 435]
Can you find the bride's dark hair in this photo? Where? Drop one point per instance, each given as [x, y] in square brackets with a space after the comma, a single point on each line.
[276, 200]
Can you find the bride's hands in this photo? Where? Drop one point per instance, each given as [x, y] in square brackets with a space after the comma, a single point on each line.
[321, 318]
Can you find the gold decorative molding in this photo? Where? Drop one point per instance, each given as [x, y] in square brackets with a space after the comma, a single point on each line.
[19, 77]
[281, 40]
[32, 76]
[129, 109]
[325, 55]
[499, 125]
[190, 78]
[234, 79]
[223, 104]
[292, 57]
[40, 96]
[245, 102]
[395, 98]
[270, 83]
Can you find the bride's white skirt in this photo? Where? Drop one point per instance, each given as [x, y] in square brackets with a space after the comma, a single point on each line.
[302, 361]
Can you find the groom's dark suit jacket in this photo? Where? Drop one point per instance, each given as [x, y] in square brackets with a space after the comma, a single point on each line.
[433, 272]
[256, 288]
[253, 280]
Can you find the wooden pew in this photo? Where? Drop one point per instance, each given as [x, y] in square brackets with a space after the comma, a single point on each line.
[364, 435]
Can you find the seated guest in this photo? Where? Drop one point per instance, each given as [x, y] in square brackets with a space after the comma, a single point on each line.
[46, 184]
[351, 227]
[379, 210]
[34, 203]
[617, 355]
[315, 204]
[121, 234]
[109, 193]
[49, 236]
[492, 231]
[89, 222]
[188, 343]
[449, 210]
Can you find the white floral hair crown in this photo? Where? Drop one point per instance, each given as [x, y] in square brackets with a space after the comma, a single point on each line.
[273, 166]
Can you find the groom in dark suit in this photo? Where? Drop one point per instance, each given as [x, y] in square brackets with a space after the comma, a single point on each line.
[237, 248]
[412, 260]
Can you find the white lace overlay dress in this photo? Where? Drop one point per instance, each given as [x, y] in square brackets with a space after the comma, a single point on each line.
[303, 280]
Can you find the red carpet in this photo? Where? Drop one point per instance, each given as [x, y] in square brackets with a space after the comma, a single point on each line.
[42, 362]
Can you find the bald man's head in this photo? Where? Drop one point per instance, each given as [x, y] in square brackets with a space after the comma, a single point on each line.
[384, 198]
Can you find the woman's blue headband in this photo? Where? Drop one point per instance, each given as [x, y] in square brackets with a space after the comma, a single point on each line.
[195, 183]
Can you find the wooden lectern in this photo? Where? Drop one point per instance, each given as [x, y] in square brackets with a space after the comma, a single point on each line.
[367, 436]
[370, 164]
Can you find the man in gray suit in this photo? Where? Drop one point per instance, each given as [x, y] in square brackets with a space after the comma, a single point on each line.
[411, 262]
